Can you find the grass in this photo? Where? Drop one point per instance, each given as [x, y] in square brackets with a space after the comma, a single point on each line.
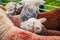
[52, 3]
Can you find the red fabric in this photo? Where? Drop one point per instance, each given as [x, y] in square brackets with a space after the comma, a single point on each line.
[19, 34]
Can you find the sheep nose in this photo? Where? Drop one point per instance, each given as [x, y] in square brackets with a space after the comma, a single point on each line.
[37, 30]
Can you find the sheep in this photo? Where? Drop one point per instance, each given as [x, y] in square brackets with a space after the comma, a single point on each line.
[13, 8]
[9, 8]
[30, 10]
[17, 22]
[35, 26]
[10, 32]
[53, 19]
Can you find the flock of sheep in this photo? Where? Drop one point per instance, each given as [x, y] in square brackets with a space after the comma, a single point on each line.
[25, 22]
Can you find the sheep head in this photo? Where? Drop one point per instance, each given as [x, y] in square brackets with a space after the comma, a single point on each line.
[12, 7]
[33, 25]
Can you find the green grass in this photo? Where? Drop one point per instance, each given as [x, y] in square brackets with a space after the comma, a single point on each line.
[6, 1]
[52, 3]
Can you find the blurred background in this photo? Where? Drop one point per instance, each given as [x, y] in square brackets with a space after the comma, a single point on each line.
[49, 4]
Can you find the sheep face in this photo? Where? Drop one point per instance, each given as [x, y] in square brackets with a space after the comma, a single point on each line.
[33, 25]
[12, 7]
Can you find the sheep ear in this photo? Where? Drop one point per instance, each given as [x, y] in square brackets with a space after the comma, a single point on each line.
[42, 20]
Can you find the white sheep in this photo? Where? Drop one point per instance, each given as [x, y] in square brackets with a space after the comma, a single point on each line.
[12, 6]
[30, 9]
[33, 25]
